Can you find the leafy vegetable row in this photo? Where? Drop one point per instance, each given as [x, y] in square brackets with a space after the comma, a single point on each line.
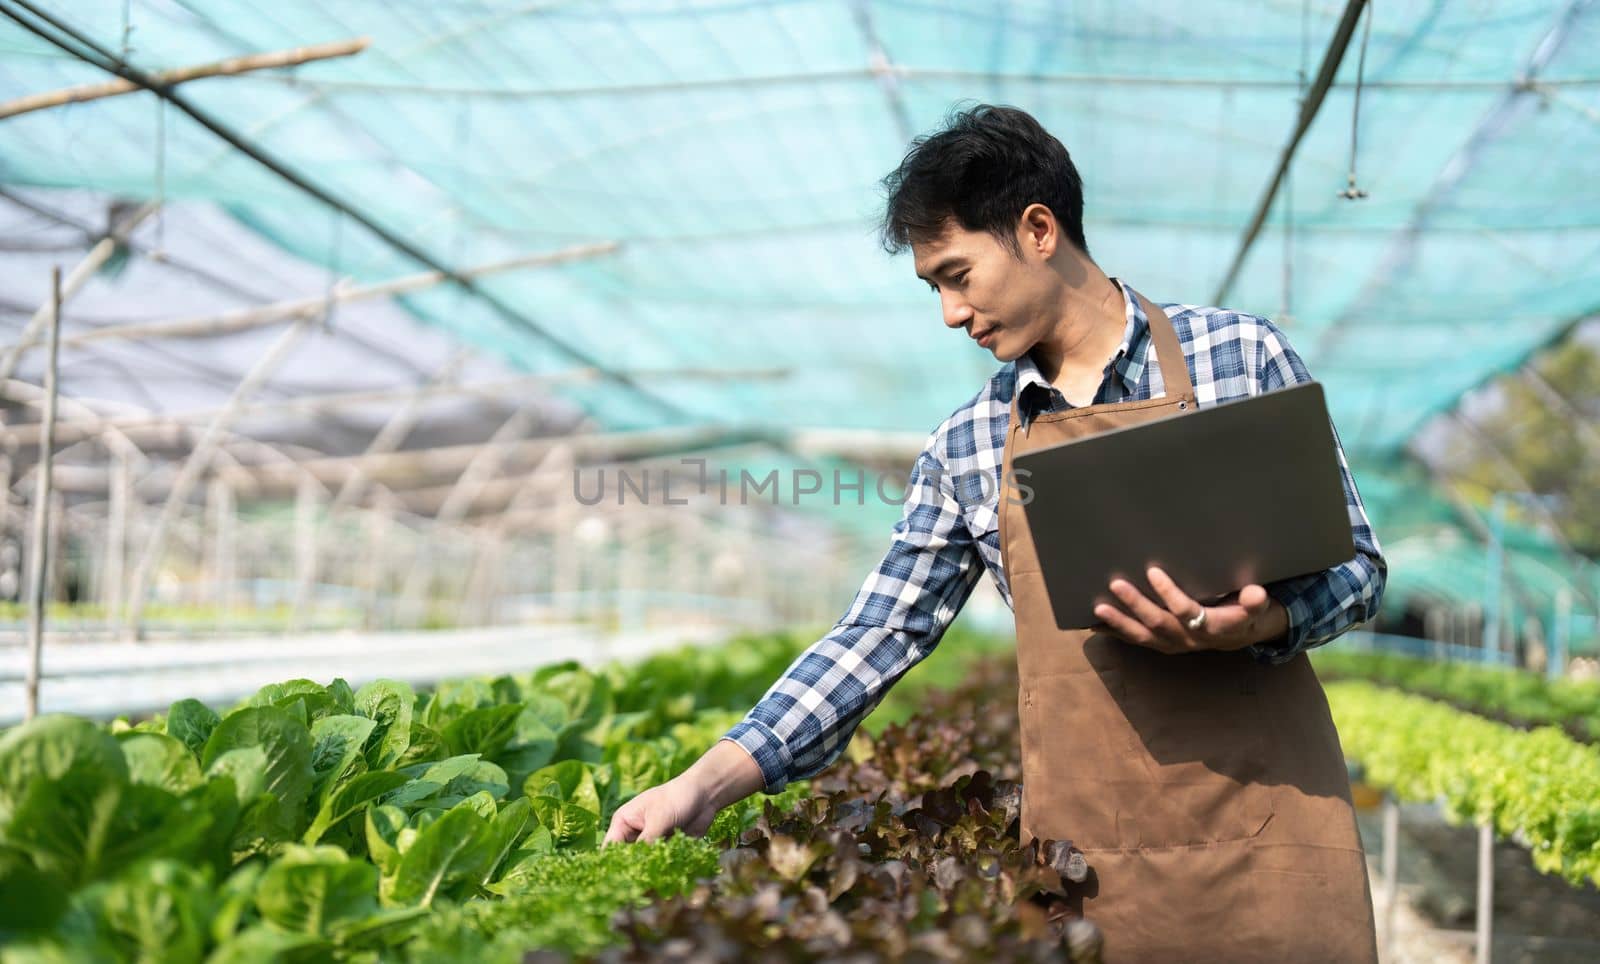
[317, 822]
[1538, 786]
[325, 822]
[1515, 696]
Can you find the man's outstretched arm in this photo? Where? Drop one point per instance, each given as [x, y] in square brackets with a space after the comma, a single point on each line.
[807, 717]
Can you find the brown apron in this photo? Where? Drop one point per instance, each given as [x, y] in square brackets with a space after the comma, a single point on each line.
[1207, 790]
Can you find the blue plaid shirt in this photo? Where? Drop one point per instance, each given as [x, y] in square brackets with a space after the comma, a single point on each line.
[950, 524]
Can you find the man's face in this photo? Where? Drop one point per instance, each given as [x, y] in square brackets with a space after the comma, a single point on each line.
[1002, 303]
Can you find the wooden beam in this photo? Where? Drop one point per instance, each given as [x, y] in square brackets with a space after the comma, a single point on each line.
[292, 57]
[76, 279]
[260, 316]
[509, 390]
[197, 463]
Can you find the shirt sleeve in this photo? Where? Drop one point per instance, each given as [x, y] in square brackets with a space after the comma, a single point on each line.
[805, 720]
[1321, 605]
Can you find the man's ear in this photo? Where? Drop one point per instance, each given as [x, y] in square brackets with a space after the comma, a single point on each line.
[1038, 232]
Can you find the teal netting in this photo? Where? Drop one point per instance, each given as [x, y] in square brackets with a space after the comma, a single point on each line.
[733, 147]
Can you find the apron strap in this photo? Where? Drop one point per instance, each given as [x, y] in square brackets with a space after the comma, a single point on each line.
[1169, 359]
[1169, 353]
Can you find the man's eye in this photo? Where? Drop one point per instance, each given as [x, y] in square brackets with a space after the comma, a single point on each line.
[961, 278]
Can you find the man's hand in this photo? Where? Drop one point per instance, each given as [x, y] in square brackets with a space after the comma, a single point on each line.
[676, 804]
[1238, 620]
[724, 774]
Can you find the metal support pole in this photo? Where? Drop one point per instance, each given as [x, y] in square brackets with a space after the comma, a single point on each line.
[1485, 892]
[1556, 667]
[380, 524]
[55, 557]
[1496, 572]
[41, 507]
[118, 495]
[219, 498]
[1391, 874]
[11, 585]
[305, 549]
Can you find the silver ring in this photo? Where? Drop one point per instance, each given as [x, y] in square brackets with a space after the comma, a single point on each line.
[1199, 620]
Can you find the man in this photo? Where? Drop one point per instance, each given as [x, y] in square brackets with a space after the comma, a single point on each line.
[1186, 748]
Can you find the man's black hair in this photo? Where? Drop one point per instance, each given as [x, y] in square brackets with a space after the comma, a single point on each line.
[983, 169]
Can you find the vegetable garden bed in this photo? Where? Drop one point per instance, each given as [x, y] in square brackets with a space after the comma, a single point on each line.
[319, 822]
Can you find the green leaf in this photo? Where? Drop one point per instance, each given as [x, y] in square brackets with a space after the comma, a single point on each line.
[383, 828]
[56, 747]
[485, 730]
[448, 782]
[426, 746]
[191, 722]
[263, 942]
[31, 901]
[506, 829]
[586, 696]
[568, 781]
[307, 889]
[286, 743]
[158, 910]
[390, 703]
[160, 761]
[246, 768]
[546, 709]
[639, 767]
[449, 853]
[533, 745]
[313, 696]
[337, 745]
[344, 700]
[235, 897]
[571, 827]
[350, 797]
[452, 699]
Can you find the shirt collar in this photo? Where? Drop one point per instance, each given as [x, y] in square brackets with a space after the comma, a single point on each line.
[1127, 363]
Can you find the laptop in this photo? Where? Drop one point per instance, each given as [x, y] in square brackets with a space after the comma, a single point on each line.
[1240, 492]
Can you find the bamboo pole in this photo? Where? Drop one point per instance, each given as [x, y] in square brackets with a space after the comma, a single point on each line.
[1391, 873]
[260, 316]
[1485, 923]
[220, 509]
[389, 438]
[76, 279]
[41, 507]
[292, 57]
[452, 459]
[395, 430]
[472, 481]
[380, 524]
[195, 465]
[93, 423]
[305, 549]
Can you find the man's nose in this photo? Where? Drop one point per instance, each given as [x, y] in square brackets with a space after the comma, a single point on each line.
[956, 311]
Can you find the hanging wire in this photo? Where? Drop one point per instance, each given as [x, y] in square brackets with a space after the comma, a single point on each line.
[335, 266]
[127, 28]
[1285, 313]
[1351, 192]
[463, 140]
[160, 249]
